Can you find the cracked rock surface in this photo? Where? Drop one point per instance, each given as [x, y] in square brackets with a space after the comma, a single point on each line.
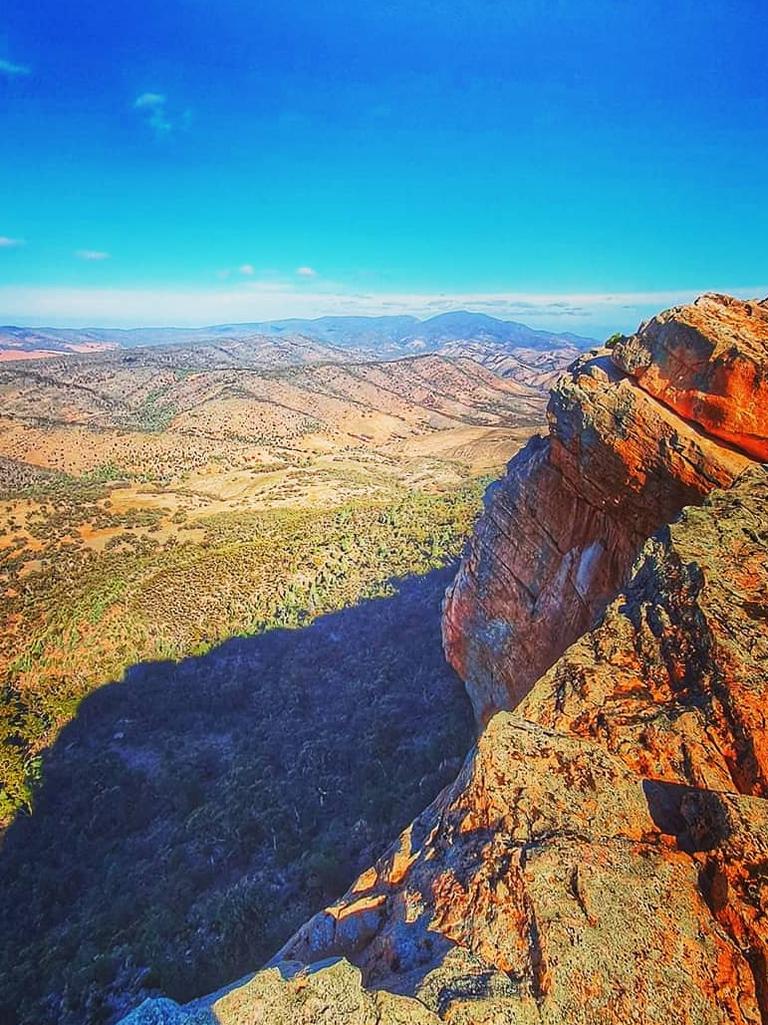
[562, 529]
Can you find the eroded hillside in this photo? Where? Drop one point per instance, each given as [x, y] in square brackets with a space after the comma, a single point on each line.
[254, 541]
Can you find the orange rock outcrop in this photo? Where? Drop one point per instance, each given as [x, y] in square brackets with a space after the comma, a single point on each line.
[562, 529]
[603, 856]
[707, 362]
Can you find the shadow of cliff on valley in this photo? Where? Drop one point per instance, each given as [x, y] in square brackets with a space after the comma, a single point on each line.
[193, 815]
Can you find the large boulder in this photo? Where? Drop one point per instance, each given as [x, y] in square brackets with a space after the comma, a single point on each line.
[707, 361]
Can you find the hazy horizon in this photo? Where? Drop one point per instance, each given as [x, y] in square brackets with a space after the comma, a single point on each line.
[597, 316]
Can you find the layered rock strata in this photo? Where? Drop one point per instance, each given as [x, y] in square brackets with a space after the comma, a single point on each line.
[623, 457]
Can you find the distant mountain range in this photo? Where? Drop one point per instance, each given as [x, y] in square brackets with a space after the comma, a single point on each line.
[375, 336]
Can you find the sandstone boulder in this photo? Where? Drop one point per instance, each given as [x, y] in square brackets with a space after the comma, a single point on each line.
[708, 362]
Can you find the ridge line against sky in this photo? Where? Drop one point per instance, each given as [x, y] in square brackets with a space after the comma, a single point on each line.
[380, 157]
[591, 314]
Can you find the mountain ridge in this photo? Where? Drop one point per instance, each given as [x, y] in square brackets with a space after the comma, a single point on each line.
[510, 350]
[385, 333]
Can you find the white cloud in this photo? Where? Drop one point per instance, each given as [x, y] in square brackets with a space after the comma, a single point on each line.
[153, 106]
[306, 272]
[92, 254]
[12, 70]
[595, 314]
[10, 243]
[150, 100]
[247, 269]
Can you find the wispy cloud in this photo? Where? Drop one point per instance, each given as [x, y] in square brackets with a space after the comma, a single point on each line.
[11, 70]
[247, 269]
[10, 243]
[160, 115]
[154, 108]
[92, 254]
[306, 272]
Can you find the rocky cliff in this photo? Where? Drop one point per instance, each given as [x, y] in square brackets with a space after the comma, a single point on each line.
[603, 855]
[636, 433]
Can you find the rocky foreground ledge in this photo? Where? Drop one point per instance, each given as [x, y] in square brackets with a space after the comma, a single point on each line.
[603, 855]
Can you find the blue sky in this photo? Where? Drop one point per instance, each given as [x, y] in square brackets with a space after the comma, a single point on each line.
[574, 165]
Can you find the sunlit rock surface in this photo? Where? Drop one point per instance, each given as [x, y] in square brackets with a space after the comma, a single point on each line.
[707, 361]
[329, 992]
[562, 529]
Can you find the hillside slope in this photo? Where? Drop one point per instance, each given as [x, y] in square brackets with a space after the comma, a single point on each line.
[209, 405]
[509, 349]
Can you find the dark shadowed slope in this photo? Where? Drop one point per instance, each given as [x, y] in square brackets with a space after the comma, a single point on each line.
[194, 815]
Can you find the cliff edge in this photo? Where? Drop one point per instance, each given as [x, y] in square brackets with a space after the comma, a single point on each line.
[636, 433]
[602, 856]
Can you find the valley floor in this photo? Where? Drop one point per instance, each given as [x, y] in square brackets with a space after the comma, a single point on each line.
[221, 639]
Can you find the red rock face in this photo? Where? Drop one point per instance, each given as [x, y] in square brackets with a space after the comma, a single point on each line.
[562, 529]
[675, 677]
[708, 362]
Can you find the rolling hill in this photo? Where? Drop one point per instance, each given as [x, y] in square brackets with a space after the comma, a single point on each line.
[389, 335]
[208, 523]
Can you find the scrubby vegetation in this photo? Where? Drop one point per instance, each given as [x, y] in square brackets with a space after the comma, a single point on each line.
[83, 617]
[254, 555]
[170, 830]
[192, 816]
